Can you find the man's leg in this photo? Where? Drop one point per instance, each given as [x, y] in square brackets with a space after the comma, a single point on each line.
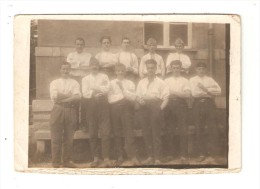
[156, 124]
[56, 125]
[147, 132]
[182, 126]
[199, 121]
[116, 114]
[128, 122]
[70, 126]
[105, 128]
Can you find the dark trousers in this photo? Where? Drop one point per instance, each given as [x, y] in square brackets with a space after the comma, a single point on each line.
[98, 121]
[63, 122]
[175, 119]
[122, 113]
[204, 112]
[151, 120]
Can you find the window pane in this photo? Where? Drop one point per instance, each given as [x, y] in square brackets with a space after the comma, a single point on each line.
[154, 30]
[178, 31]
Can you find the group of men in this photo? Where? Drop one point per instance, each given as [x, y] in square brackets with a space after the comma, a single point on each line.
[114, 87]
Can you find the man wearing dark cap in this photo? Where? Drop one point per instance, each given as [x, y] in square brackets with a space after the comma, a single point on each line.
[203, 90]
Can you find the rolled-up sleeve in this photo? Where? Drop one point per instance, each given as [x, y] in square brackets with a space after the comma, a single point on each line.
[53, 91]
[76, 89]
[105, 84]
[214, 88]
[135, 63]
[165, 91]
[86, 91]
[130, 92]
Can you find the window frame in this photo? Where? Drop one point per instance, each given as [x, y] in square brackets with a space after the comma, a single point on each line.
[166, 34]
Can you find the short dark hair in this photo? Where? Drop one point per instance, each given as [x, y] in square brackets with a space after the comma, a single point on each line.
[65, 64]
[80, 39]
[151, 41]
[125, 38]
[120, 66]
[176, 62]
[93, 60]
[151, 61]
[105, 37]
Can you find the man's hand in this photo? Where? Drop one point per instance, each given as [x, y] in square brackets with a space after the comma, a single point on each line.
[149, 97]
[163, 106]
[96, 89]
[130, 69]
[202, 87]
[140, 101]
[119, 83]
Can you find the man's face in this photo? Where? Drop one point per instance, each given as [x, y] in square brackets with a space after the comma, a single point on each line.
[120, 72]
[151, 47]
[106, 44]
[201, 71]
[176, 70]
[94, 67]
[65, 70]
[151, 69]
[125, 44]
[179, 47]
[79, 46]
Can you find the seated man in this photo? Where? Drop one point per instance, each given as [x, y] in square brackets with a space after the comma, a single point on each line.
[64, 92]
[121, 97]
[152, 46]
[129, 59]
[79, 60]
[152, 97]
[179, 55]
[95, 87]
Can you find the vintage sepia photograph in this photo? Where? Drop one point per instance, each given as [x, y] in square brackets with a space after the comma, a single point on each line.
[115, 92]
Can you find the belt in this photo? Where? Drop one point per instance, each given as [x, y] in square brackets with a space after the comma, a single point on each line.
[66, 105]
[203, 99]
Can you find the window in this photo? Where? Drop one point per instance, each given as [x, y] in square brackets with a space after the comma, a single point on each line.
[167, 32]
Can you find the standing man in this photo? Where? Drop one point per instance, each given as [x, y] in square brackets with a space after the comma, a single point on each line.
[129, 59]
[152, 97]
[152, 46]
[203, 90]
[179, 55]
[176, 111]
[95, 87]
[121, 97]
[64, 92]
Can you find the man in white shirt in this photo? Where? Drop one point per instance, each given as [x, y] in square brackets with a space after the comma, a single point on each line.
[121, 97]
[79, 60]
[64, 92]
[152, 97]
[185, 60]
[106, 58]
[152, 46]
[176, 111]
[129, 59]
[203, 90]
[95, 87]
